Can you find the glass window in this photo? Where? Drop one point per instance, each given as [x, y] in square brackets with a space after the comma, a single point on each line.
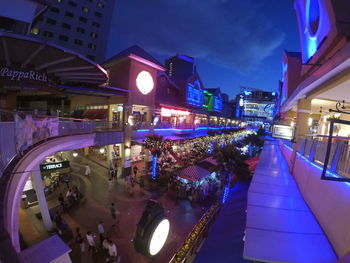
[96, 24]
[98, 14]
[80, 30]
[78, 42]
[35, 31]
[69, 14]
[92, 46]
[54, 9]
[83, 19]
[51, 21]
[93, 35]
[85, 9]
[71, 3]
[66, 25]
[48, 34]
[63, 38]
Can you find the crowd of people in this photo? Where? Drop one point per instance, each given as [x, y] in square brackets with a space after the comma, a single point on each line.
[194, 191]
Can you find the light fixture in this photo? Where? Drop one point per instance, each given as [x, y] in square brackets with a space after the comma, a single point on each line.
[159, 236]
[102, 150]
[144, 82]
[75, 154]
[309, 121]
[292, 123]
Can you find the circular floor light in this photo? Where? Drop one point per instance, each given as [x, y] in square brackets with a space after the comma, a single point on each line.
[159, 236]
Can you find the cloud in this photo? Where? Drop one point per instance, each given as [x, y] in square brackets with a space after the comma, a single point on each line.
[228, 33]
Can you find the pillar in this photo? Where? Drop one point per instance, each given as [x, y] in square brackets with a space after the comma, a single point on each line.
[39, 189]
[303, 114]
[86, 151]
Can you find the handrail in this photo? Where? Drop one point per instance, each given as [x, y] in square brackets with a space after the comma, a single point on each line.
[196, 236]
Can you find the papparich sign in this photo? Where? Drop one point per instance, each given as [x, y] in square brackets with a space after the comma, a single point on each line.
[18, 75]
[54, 166]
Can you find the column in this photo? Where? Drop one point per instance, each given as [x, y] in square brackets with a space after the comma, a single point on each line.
[303, 114]
[39, 189]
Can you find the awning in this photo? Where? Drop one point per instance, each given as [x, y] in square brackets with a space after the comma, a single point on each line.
[62, 66]
[253, 163]
[209, 163]
[194, 173]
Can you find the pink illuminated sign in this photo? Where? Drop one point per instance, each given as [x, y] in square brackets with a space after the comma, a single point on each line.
[144, 82]
[165, 112]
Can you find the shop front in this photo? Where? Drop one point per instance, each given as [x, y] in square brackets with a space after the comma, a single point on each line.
[175, 117]
[200, 119]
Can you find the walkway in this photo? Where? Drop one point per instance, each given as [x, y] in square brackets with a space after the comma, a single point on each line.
[280, 226]
[225, 240]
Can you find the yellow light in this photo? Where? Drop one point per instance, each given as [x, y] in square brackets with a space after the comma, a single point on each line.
[309, 121]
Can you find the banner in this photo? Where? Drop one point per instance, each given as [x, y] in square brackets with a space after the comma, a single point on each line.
[30, 130]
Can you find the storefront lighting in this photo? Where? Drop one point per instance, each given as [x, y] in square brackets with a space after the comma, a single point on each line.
[75, 154]
[309, 122]
[165, 112]
[292, 124]
[102, 150]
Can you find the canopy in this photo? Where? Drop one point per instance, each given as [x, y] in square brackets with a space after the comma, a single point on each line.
[194, 173]
[253, 163]
[208, 163]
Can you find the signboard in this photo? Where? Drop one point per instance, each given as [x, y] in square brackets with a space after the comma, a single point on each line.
[283, 132]
[54, 166]
[19, 75]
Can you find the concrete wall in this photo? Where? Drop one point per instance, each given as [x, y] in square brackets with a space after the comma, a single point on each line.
[328, 200]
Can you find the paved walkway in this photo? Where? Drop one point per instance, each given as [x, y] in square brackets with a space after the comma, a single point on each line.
[225, 240]
[280, 226]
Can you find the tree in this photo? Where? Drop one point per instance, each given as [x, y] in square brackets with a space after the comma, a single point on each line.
[155, 144]
[232, 161]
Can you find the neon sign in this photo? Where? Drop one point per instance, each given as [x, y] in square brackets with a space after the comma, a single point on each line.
[165, 112]
[144, 82]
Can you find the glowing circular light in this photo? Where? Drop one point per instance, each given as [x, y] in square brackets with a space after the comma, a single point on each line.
[102, 150]
[158, 237]
[144, 82]
[75, 154]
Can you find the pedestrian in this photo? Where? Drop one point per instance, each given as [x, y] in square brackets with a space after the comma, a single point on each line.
[110, 183]
[80, 241]
[70, 198]
[135, 169]
[61, 201]
[101, 231]
[91, 241]
[114, 214]
[112, 251]
[87, 170]
[111, 172]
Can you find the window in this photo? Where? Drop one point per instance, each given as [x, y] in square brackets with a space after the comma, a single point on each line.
[48, 34]
[78, 42]
[80, 30]
[51, 21]
[95, 24]
[92, 46]
[63, 38]
[35, 31]
[66, 25]
[90, 57]
[85, 9]
[71, 3]
[83, 19]
[54, 10]
[93, 35]
[98, 14]
[69, 14]
[100, 5]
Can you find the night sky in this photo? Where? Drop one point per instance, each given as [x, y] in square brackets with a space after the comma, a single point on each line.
[235, 43]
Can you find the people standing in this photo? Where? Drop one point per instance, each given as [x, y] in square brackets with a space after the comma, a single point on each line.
[101, 231]
[112, 250]
[110, 184]
[91, 241]
[87, 170]
[80, 241]
[135, 169]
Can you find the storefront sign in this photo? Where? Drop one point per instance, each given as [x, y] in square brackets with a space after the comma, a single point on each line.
[171, 112]
[54, 166]
[283, 132]
[19, 75]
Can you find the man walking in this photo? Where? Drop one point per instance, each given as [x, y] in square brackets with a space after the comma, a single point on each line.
[101, 231]
[114, 213]
[87, 170]
[91, 241]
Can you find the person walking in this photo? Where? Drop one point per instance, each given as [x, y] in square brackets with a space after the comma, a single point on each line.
[110, 184]
[91, 241]
[112, 251]
[135, 169]
[87, 170]
[80, 241]
[114, 213]
[101, 231]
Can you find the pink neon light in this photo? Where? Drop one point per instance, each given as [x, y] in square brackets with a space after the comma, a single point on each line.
[165, 112]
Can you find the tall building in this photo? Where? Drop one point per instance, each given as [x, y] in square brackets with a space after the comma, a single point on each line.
[82, 26]
[180, 67]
